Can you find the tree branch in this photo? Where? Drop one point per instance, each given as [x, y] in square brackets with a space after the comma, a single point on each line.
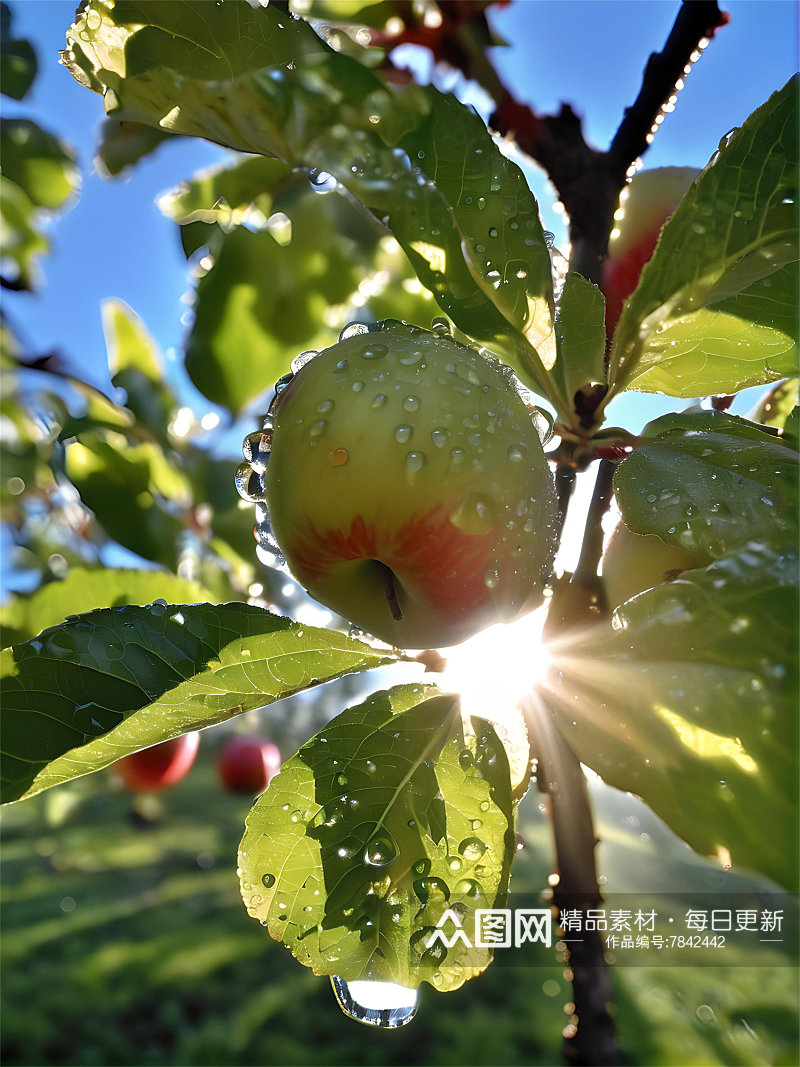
[693, 28]
[591, 1038]
[589, 181]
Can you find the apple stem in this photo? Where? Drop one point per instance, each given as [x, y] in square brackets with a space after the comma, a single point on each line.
[386, 576]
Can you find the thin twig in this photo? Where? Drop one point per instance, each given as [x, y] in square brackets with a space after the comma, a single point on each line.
[592, 545]
[591, 1040]
[589, 181]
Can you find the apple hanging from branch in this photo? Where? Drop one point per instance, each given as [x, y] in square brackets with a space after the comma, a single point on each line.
[633, 562]
[645, 205]
[408, 489]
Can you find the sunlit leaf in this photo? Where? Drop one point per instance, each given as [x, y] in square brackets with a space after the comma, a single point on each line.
[83, 590]
[38, 162]
[136, 366]
[421, 162]
[93, 689]
[709, 483]
[135, 492]
[716, 306]
[689, 700]
[398, 810]
[580, 335]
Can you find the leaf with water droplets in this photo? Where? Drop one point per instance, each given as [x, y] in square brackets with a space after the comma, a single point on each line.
[390, 794]
[708, 483]
[423, 163]
[104, 684]
[715, 310]
[689, 699]
[580, 335]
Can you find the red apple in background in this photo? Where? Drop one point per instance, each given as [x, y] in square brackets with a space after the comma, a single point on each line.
[159, 767]
[645, 205]
[247, 764]
[408, 489]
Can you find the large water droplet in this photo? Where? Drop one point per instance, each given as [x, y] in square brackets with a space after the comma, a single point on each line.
[302, 358]
[472, 848]
[415, 461]
[381, 1004]
[476, 514]
[249, 483]
[380, 851]
[374, 350]
[256, 448]
[354, 329]
[402, 433]
[411, 403]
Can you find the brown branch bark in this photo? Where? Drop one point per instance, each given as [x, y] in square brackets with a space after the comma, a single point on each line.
[588, 180]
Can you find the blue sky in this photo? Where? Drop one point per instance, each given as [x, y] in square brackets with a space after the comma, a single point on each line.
[115, 243]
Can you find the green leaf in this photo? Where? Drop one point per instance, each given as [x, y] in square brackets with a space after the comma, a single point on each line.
[135, 365]
[227, 195]
[715, 308]
[82, 590]
[17, 59]
[690, 701]
[580, 335]
[23, 243]
[421, 162]
[122, 144]
[38, 162]
[398, 810]
[137, 495]
[709, 483]
[100, 686]
[262, 302]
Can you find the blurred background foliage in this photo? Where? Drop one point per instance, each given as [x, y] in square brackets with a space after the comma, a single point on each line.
[124, 936]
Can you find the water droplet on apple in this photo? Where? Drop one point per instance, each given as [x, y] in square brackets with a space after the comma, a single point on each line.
[357, 387]
[374, 350]
[256, 448]
[249, 483]
[382, 1004]
[439, 437]
[380, 851]
[415, 461]
[402, 433]
[456, 457]
[491, 579]
[411, 403]
[354, 329]
[301, 359]
[324, 406]
[318, 428]
[476, 514]
[379, 401]
[515, 454]
[339, 457]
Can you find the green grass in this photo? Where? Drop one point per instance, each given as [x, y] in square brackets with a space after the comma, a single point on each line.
[126, 943]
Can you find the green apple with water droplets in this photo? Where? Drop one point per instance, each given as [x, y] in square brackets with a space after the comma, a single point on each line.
[408, 489]
[633, 562]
